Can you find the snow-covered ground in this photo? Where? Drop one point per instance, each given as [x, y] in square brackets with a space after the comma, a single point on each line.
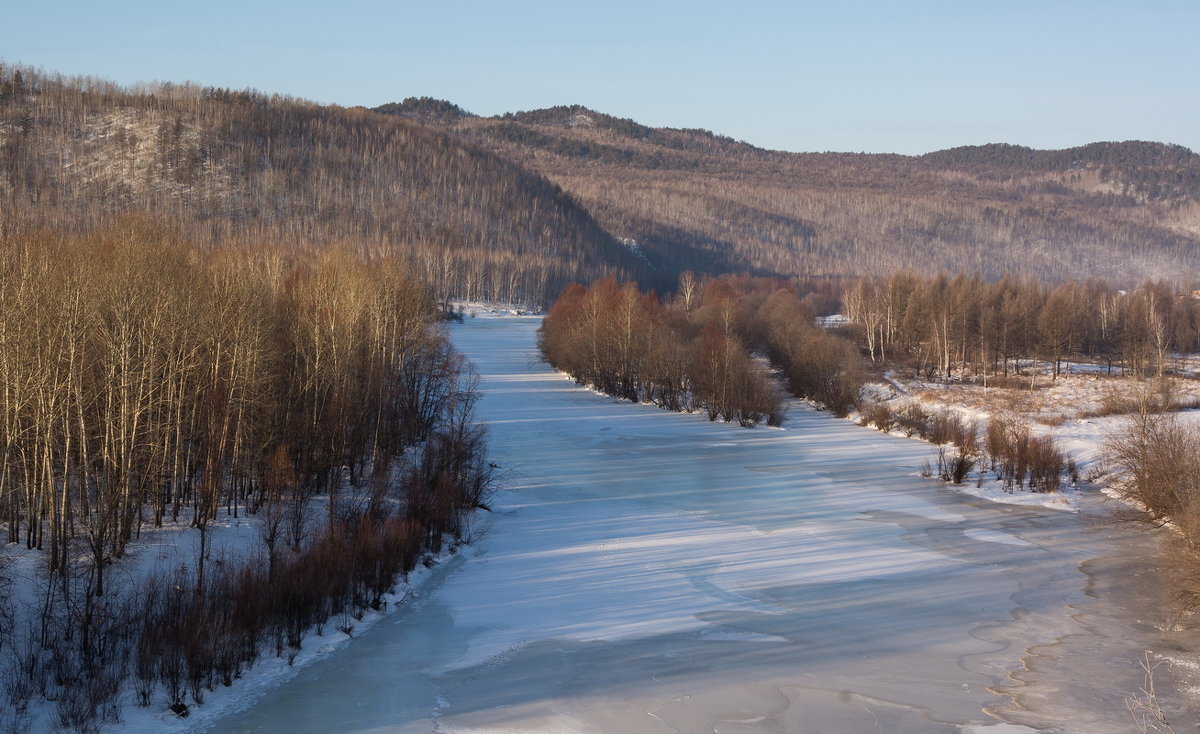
[159, 551]
[490, 309]
[1071, 409]
[647, 571]
[1078, 394]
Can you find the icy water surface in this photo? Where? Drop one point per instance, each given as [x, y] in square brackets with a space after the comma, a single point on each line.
[652, 572]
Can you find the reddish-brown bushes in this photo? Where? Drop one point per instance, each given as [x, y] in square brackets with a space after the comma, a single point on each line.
[912, 419]
[698, 353]
[949, 430]
[191, 641]
[818, 366]
[1019, 458]
[878, 415]
[613, 338]
[1023, 459]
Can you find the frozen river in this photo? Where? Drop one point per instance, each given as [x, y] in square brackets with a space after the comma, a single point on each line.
[652, 572]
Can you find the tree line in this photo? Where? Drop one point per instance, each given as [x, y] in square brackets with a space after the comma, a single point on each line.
[700, 350]
[145, 382]
[946, 324]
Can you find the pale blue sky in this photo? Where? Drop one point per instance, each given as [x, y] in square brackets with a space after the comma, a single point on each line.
[905, 77]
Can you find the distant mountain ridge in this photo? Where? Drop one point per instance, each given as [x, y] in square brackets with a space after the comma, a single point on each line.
[424, 108]
[1156, 170]
[1129, 152]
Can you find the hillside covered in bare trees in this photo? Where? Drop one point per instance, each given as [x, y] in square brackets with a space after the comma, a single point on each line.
[231, 167]
[692, 199]
[516, 206]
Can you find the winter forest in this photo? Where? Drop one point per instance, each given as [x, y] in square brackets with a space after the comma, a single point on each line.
[148, 384]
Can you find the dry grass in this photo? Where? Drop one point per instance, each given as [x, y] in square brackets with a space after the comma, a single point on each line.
[1129, 396]
[1068, 397]
[1013, 382]
[1050, 419]
[1144, 706]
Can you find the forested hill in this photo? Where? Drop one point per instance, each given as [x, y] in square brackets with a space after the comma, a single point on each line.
[239, 166]
[515, 206]
[1154, 171]
[691, 198]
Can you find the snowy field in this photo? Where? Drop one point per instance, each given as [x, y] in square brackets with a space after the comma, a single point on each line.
[1073, 410]
[647, 571]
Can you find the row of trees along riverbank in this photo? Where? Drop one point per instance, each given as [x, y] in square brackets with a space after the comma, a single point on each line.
[697, 351]
[143, 383]
[946, 324]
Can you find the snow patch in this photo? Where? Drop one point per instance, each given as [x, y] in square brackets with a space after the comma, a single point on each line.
[997, 729]
[994, 536]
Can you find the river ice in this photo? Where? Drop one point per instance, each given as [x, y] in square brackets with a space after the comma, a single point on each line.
[653, 572]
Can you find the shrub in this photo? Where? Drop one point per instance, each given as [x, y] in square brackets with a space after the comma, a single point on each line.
[878, 415]
[1020, 458]
[960, 467]
[912, 419]
[1160, 462]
